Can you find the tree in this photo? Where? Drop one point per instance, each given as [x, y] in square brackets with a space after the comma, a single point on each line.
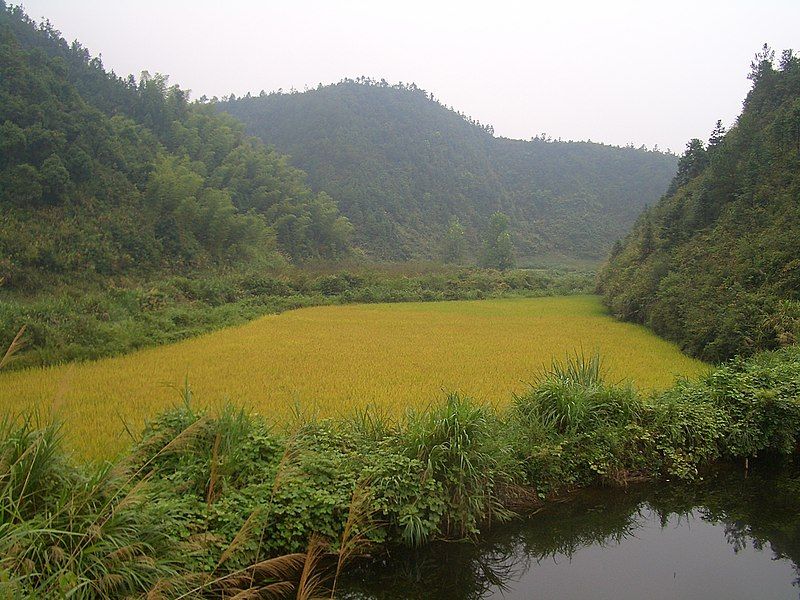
[717, 135]
[330, 233]
[791, 126]
[498, 248]
[616, 249]
[12, 143]
[648, 240]
[21, 185]
[54, 178]
[455, 245]
[761, 64]
[692, 163]
[713, 266]
[142, 178]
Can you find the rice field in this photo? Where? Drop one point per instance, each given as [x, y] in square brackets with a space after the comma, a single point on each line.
[331, 359]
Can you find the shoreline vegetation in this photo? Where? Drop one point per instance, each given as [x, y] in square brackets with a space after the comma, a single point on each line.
[219, 504]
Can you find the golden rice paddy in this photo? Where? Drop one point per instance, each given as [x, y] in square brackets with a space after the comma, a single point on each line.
[331, 359]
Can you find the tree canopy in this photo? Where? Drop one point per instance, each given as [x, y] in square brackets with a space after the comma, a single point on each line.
[100, 174]
[715, 264]
[498, 247]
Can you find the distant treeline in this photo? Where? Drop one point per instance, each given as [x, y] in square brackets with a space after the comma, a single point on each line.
[715, 264]
[405, 168]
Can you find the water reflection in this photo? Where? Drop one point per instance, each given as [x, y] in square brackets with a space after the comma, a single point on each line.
[729, 536]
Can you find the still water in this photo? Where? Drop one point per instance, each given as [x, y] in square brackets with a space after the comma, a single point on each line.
[733, 535]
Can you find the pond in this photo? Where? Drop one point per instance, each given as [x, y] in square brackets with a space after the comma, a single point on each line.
[735, 534]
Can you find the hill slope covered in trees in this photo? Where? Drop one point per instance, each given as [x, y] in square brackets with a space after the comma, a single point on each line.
[104, 175]
[403, 167]
[715, 265]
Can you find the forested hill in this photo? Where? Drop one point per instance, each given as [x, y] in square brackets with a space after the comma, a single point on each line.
[715, 265]
[104, 175]
[403, 166]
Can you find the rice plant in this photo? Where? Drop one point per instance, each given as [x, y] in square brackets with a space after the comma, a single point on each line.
[333, 360]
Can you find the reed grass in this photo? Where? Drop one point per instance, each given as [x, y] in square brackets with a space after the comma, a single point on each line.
[16, 345]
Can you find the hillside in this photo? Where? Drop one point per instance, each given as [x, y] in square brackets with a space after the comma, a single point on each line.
[403, 166]
[104, 176]
[715, 264]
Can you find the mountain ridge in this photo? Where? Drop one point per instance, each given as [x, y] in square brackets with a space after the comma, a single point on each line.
[401, 165]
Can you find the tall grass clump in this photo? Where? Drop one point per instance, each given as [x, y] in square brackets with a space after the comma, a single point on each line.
[70, 532]
[565, 395]
[572, 396]
[572, 427]
[458, 444]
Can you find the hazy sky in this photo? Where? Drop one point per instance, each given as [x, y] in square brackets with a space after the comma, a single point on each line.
[617, 72]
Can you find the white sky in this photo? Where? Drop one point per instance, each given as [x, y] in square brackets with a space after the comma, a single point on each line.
[617, 72]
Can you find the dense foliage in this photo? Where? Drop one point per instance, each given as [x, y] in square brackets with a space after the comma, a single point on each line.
[403, 166]
[104, 175]
[715, 265]
[209, 502]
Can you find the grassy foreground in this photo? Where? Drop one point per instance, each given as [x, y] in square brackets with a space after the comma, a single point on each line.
[224, 505]
[332, 360]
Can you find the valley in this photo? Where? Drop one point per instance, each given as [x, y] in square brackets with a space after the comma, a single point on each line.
[347, 342]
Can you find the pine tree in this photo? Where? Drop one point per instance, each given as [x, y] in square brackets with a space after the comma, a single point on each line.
[717, 135]
[761, 63]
